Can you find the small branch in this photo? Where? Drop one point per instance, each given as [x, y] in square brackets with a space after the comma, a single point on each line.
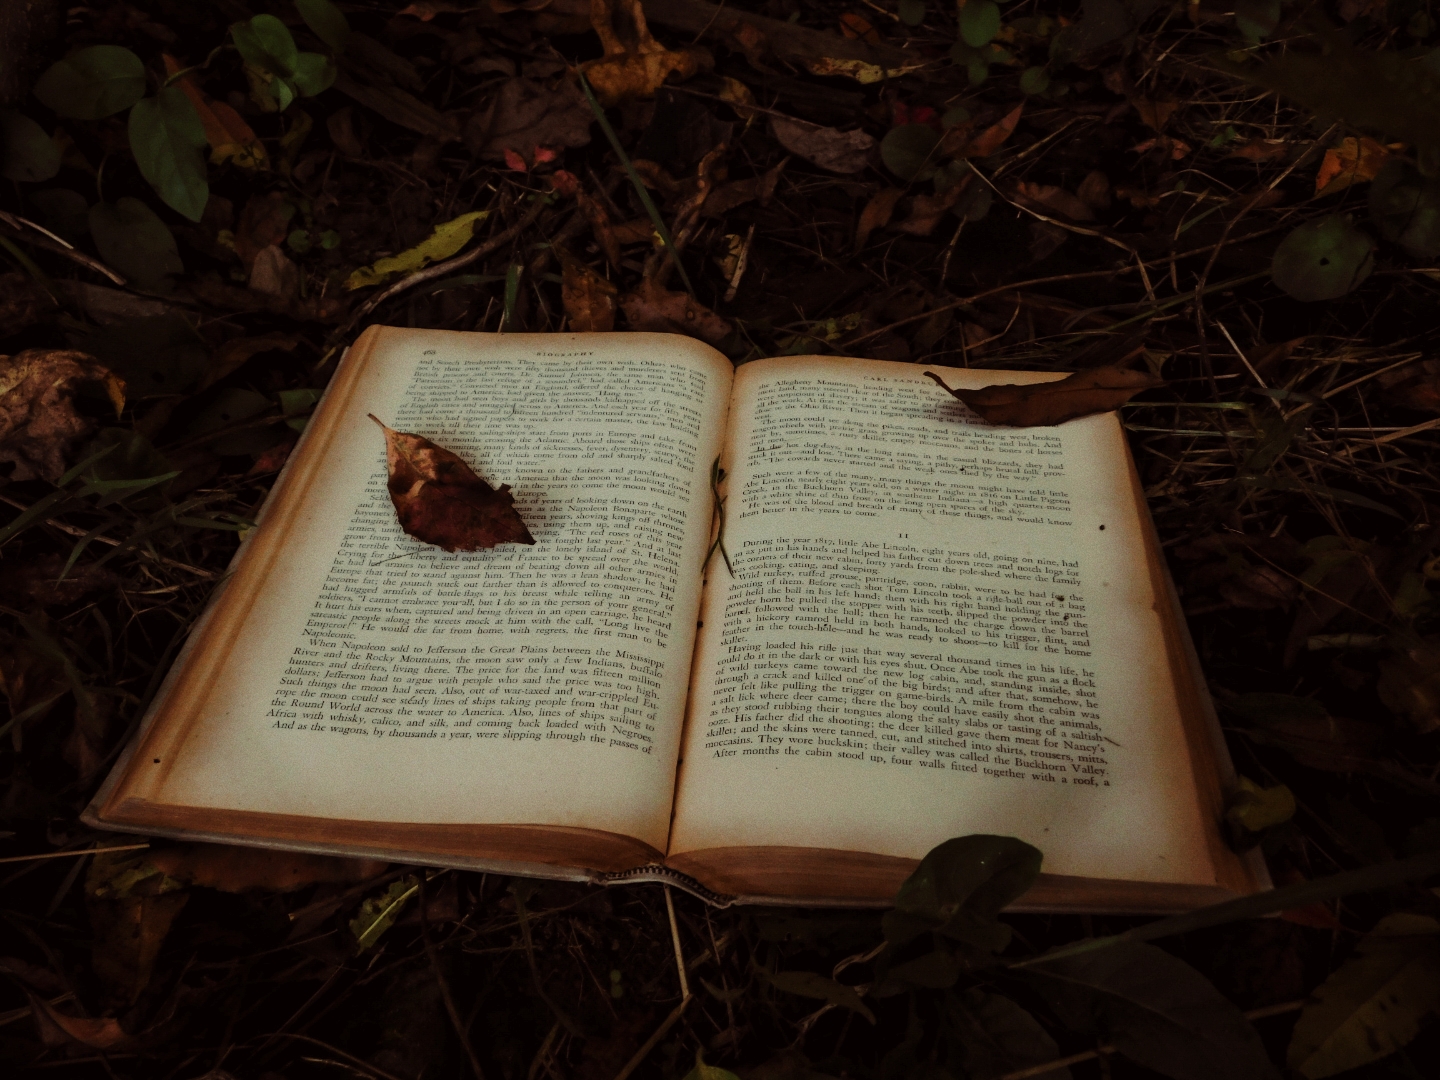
[60, 248]
[650, 1043]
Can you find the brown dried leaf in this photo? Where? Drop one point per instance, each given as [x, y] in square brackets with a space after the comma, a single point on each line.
[617, 79]
[1154, 114]
[441, 501]
[57, 1029]
[273, 273]
[1259, 150]
[1354, 161]
[1047, 197]
[876, 215]
[526, 114]
[243, 869]
[1410, 685]
[589, 299]
[264, 222]
[235, 352]
[23, 303]
[1095, 190]
[927, 210]
[38, 421]
[738, 192]
[993, 137]
[1083, 393]
[830, 148]
[229, 136]
[655, 308]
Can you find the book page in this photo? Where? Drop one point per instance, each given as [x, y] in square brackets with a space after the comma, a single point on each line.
[935, 627]
[356, 673]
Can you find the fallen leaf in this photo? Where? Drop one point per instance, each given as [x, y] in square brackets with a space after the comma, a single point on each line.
[425, 10]
[1255, 808]
[229, 136]
[23, 303]
[738, 192]
[830, 148]
[274, 274]
[1170, 148]
[1083, 393]
[58, 1029]
[1354, 161]
[236, 351]
[1154, 114]
[525, 114]
[859, 70]
[378, 913]
[38, 421]
[857, 27]
[244, 869]
[739, 96]
[1323, 260]
[1094, 190]
[264, 222]
[589, 299]
[441, 501]
[443, 242]
[653, 307]
[622, 75]
[876, 215]
[1056, 199]
[1261, 150]
[1410, 685]
[1374, 1003]
[992, 138]
[927, 210]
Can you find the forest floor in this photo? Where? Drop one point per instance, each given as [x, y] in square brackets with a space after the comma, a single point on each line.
[203, 212]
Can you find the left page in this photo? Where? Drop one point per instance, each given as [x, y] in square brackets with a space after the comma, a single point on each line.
[350, 672]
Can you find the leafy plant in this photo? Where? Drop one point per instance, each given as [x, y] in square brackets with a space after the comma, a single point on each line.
[1323, 260]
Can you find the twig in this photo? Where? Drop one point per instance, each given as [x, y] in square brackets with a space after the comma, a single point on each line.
[58, 247]
[1243, 358]
[441, 269]
[675, 940]
[75, 852]
[649, 1044]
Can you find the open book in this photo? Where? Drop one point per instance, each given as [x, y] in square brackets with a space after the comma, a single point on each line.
[933, 627]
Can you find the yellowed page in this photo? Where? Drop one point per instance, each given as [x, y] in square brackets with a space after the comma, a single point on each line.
[377, 678]
[936, 627]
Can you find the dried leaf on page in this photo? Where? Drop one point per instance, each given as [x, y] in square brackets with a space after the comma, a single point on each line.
[441, 501]
[1044, 404]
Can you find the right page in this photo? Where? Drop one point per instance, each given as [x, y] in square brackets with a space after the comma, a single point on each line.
[935, 627]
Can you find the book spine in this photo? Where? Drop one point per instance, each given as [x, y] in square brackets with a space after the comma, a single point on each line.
[663, 875]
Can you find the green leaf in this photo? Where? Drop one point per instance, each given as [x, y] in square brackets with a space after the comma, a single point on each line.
[295, 402]
[960, 887]
[979, 22]
[1255, 808]
[907, 150]
[1405, 207]
[26, 152]
[702, 1071]
[265, 43]
[132, 238]
[1156, 1009]
[1034, 80]
[996, 1036]
[313, 73]
[1101, 22]
[168, 139]
[1374, 1003]
[326, 21]
[132, 456]
[1256, 19]
[227, 408]
[808, 984]
[93, 83]
[1323, 260]
[378, 913]
[911, 12]
[446, 240]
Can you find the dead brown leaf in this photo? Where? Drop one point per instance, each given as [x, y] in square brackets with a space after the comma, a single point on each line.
[876, 215]
[1057, 200]
[229, 136]
[57, 1029]
[1261, 150]
[738, 192]
[37, 583]
[235, 352]
[265, 222]
[38, 421]
[275, 274]
[23, 303]
[441, 501]
[525, 115]
[624, 75]
[1410, 685]
[245, 869]
[653, 307]
[830, 148]
[993, 137]
[589, 298]
[1154, 114]
[1354, 161]
[1083, 393]
[927, 210]
[1095, 190]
